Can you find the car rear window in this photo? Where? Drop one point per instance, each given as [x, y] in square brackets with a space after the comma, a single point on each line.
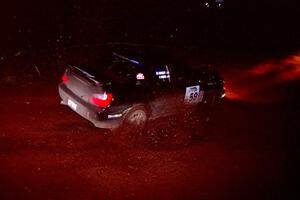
[121, 71]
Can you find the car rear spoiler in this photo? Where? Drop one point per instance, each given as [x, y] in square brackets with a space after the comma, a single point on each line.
[89, 77]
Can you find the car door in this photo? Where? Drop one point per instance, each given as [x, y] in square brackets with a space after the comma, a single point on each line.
[188, 85]
[164, 91]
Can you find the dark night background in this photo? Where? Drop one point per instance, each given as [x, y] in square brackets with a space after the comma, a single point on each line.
[251, 152]
[35, 31]
[239, 24]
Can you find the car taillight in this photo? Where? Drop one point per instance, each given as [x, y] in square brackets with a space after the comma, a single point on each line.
[102, 100]
[64, 78]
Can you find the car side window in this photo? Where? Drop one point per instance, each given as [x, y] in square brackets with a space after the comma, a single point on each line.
[125, 72]
[162, 75]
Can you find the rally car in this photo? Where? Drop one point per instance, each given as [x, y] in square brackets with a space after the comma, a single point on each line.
[134, 84]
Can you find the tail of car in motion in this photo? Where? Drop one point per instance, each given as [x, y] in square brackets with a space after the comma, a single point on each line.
[84, 86]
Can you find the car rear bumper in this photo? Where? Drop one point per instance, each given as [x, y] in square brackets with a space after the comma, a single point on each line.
[86, 110]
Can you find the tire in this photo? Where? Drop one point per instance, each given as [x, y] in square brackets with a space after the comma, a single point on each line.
[134, 121]
[136, 117]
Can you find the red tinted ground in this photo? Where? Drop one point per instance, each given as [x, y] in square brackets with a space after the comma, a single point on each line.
[48, 152]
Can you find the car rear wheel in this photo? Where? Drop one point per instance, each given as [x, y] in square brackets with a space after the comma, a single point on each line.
[137, 117]
[134, 122]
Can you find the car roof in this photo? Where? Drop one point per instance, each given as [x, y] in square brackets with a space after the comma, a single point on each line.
[140, 54]
[145, 54]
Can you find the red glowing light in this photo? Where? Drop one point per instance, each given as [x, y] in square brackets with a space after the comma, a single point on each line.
[255, 83]
[65, 78]
[102, 100]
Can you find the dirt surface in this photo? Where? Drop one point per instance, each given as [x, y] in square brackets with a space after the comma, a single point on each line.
[246, 152]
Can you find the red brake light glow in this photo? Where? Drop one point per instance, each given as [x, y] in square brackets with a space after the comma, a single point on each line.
[64, 78]
[102, 100]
